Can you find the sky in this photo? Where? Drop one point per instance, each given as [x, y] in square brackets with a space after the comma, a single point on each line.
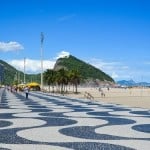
[112, 35]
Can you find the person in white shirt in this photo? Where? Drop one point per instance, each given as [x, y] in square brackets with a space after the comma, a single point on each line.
[26, 90]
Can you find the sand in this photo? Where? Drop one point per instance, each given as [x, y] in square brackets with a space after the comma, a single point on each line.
[132, 97]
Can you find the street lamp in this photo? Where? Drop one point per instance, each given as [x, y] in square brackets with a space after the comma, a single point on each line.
[42, 40]
[24, 80]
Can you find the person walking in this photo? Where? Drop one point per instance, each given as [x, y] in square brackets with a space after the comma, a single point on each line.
[26, 89]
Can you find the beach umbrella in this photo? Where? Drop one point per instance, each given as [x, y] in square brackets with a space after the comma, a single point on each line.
[32, 84]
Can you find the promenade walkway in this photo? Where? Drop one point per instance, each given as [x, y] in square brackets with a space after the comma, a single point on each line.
[45, 122]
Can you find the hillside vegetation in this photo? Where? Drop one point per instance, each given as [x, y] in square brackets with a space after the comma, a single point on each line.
[13, 76]
[86, 70]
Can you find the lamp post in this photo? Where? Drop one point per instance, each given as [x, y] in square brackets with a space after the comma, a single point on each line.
[42, 40]
[24, 80]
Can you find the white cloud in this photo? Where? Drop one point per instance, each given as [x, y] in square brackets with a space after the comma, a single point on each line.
[115, 69]
[114, 75]
[32, 66]
[10, 46]
[62, 54]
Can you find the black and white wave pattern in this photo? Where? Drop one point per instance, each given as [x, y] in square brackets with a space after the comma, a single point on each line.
[45, 122]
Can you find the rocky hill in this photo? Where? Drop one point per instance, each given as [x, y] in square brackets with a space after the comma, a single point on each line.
[86, 70]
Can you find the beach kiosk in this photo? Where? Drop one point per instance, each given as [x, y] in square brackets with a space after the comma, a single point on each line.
[34, 86]
[21, 86]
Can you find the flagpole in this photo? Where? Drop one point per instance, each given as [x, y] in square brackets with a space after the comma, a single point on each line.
[42, 39]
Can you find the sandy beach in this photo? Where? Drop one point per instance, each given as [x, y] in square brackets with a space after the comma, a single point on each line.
[134, 97]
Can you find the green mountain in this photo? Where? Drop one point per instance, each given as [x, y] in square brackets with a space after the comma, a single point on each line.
[13, 76]
[86, 70]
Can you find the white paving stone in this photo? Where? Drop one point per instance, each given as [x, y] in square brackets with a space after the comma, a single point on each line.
[23, 122]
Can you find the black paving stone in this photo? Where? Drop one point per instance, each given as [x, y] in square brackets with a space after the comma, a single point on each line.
[41, 110]
[82, 109]
[146, 113]
[4, 149]
[87, 132]
[142, 128]
[58, 121]
[6, 116]
[53, 114]
[93, 146]
[4, 123]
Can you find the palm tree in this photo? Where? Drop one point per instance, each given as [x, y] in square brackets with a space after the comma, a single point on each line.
[75, 78]
[49, 77]
[62, 79]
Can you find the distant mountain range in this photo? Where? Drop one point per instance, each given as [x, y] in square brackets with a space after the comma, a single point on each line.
[132, 83]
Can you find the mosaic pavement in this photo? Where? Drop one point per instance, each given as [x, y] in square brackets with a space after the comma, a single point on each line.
[45, 122]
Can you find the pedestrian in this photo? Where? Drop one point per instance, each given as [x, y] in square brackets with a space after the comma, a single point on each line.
[102, 94]
[26, 90]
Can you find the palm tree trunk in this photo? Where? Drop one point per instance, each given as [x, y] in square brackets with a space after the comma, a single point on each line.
[49, 88]
[76, 87]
